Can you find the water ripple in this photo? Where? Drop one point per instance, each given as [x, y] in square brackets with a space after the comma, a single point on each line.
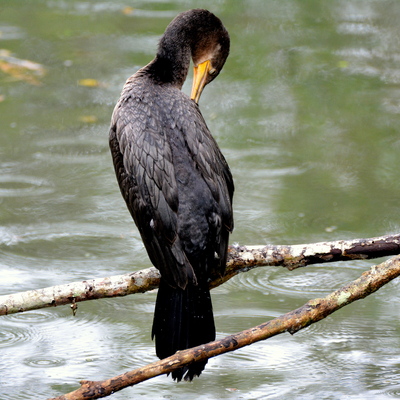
[313, 280]
[250, 280]
[32, 316]
[10, 336]
[310, 281]
[70, 152]
[22, 185]
[44, 362]
[54, 242]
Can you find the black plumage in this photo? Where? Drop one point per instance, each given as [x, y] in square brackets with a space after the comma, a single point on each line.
[175, 180]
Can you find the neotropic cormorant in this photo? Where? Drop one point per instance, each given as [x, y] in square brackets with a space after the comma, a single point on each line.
[175, 180]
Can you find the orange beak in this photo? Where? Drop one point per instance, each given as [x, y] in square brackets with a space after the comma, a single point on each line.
[199, 79]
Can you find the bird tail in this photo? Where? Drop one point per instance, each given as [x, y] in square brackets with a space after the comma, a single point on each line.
[183, 318]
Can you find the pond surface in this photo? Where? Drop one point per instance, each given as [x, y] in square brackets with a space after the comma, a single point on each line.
[307, 113]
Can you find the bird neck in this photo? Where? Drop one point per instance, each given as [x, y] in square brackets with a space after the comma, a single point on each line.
[171, 64]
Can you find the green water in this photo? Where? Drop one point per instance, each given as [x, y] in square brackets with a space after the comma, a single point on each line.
[307, 113]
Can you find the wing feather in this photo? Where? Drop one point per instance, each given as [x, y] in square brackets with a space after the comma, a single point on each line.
[145, 171]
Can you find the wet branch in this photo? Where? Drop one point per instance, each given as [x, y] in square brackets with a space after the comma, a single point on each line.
[313, 311]
[240, 259]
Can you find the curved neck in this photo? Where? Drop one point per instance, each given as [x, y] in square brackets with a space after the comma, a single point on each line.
[171, 64]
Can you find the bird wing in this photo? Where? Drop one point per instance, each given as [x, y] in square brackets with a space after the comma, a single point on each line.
[210, 161]
[215, 172]
[145, 171]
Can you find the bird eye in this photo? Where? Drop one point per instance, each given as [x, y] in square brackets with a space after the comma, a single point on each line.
[212, 72]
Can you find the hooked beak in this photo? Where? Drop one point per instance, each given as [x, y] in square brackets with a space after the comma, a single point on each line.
[199, 79]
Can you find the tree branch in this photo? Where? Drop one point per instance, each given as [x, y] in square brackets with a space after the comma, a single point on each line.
[301, 255]
[313, 311]
[72, 293]
[240, 259]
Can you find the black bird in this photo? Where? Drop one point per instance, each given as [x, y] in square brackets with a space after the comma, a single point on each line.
[175, 180]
